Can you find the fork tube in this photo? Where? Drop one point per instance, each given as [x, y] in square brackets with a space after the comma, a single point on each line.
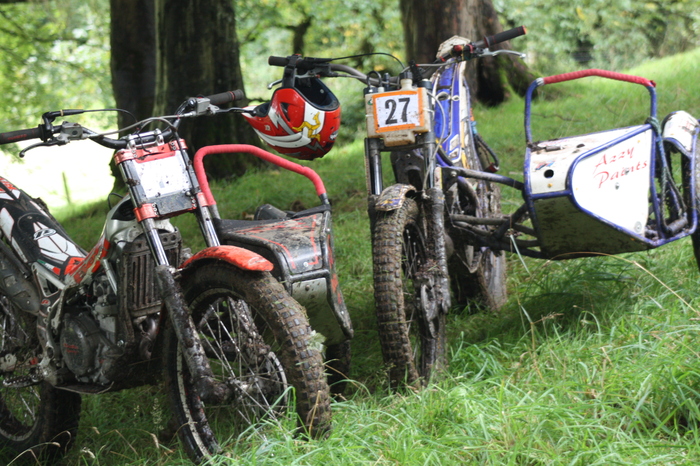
[373, 166]
[207, 226]
[429, 152]
[435, 211]
[154, 242]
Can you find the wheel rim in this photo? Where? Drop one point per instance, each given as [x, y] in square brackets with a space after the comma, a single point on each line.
[239, 356]
[18, 406]
[418, 297]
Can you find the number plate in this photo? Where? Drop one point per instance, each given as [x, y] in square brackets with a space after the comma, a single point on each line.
[398, 110]
[162, 176]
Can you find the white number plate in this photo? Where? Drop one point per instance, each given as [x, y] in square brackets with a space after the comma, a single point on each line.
[163, 176]
[398, 110]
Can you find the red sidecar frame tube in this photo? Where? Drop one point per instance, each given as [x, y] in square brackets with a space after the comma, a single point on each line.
[260, 153]
[558, 78]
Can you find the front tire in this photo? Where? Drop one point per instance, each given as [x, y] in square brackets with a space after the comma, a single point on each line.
[258, 342]
[36, 419]
[412, 346]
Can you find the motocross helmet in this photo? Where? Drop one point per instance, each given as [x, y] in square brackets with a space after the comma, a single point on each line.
[300, 121]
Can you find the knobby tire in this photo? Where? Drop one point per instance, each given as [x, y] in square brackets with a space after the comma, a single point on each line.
[258, 341]
[411, 352]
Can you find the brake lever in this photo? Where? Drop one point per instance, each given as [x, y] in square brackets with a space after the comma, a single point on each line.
[49, 143]
[68, 132]
[488, 53]
[274, 83]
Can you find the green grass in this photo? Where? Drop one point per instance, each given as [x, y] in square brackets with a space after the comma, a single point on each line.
[592, 361]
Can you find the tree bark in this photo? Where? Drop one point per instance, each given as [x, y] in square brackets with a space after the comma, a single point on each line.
[133, 64]
[133, 59]
[197, 54]
[427, 23]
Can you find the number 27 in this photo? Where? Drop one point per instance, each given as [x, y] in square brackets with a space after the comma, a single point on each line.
[391, 105]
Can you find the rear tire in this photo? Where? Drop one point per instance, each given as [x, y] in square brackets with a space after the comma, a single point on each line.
[401, 272]
[338, 358]
[258, 342]
[695, 179]
[485, 285]
[36, 421]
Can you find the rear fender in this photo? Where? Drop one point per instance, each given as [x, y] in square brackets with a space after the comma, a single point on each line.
[393, 197]
[680, 130]
[238, 257]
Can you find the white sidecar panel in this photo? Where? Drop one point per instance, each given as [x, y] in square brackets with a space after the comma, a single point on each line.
[551, 160]
[590, 194]
[614, 184]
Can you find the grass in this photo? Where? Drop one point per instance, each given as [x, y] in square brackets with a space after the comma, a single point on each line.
[592, 361]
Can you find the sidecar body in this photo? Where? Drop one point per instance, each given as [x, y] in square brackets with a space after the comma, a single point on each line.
[624, 190]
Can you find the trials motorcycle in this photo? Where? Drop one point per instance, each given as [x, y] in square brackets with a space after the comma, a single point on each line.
[231, 339]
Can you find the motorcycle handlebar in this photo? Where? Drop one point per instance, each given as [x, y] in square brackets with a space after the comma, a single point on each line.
[21, 135]
[277, 61]
[226, 97]
[46, 131]
[298, 62]
[490, 41]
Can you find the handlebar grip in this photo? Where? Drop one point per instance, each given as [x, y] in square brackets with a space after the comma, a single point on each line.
[504, 36]
[226, 97]
[20, 135]
[277, 61]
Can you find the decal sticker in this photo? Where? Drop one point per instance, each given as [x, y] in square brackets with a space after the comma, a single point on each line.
[9, 187]
[53, 245]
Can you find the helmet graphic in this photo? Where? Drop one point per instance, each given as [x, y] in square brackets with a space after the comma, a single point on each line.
[300, 121]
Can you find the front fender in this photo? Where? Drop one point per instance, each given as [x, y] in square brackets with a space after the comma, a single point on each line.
[239, 257]
[392, 198]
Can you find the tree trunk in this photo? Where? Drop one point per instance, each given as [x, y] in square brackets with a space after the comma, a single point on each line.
[133, 64]
[197, 54]
[133, 60]
[427, 23]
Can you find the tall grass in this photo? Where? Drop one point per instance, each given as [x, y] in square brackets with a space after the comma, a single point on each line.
[592, 361]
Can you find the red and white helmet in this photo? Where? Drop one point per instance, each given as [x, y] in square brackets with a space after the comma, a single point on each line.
[301, 121]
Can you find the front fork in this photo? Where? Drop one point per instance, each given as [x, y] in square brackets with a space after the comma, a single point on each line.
[183, 325]
[432, 206]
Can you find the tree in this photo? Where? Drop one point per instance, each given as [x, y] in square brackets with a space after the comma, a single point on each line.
[164, 52]
[427, 23]
[610, 34]
[133, 58]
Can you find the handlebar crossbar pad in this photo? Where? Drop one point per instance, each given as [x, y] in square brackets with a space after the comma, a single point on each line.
[600, 73]
[20, 135]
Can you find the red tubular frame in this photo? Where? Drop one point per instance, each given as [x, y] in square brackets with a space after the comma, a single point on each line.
[600, 73]
[256, 151]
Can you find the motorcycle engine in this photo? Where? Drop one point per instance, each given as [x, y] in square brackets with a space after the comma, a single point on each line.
[88, 339]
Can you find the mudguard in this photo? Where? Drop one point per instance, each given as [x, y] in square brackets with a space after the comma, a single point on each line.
[392, 198]
[680, 130]
[239, 257]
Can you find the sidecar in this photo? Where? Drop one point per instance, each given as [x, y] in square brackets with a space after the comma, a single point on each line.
[614, 191]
